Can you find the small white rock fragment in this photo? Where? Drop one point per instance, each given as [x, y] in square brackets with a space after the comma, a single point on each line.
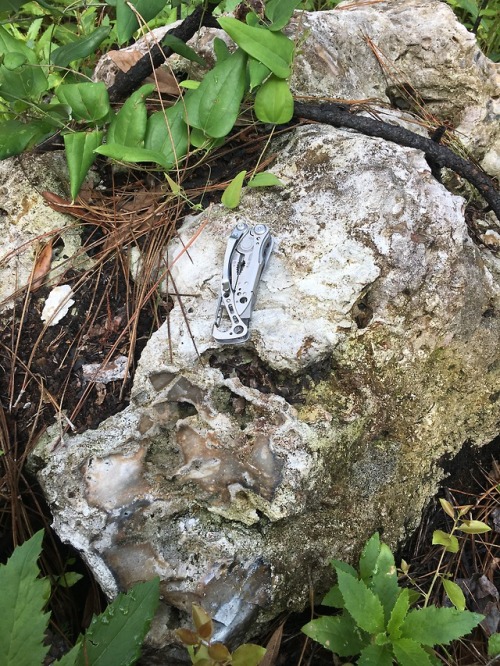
[57, 304]
[109, 372]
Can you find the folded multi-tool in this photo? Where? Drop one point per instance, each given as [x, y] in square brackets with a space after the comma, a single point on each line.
[247, 254]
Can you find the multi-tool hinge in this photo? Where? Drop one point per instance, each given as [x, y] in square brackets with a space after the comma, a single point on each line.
[247, 254]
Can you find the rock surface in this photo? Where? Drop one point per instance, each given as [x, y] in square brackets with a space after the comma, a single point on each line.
[236, 473]
[25, 217]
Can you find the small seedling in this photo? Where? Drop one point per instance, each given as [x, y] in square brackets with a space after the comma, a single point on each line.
[205, 652]
[376, 620]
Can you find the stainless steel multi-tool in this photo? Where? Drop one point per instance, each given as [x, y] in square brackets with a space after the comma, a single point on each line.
[247, 254]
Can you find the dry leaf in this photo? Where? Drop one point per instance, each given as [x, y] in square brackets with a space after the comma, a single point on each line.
[164, 81]
[41, 267]
[273, 647]
[124, 60]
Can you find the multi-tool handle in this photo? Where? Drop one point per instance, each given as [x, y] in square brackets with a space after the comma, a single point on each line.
[247, 254]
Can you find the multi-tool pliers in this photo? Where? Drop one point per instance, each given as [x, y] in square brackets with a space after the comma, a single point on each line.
[247, 254]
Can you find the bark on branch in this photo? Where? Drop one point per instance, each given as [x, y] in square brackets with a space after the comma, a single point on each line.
[339, 115]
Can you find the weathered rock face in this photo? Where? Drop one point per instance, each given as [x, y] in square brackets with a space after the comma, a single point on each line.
[236, 473]
[407, 53]
[25, 217]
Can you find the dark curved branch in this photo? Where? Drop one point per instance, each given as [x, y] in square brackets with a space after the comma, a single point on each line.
[339, 115]
[126, 82]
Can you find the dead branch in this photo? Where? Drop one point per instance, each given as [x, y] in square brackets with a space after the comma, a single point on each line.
[126, 82]
[339, 115]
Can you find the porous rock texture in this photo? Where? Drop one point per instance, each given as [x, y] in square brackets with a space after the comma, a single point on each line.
[236, 473]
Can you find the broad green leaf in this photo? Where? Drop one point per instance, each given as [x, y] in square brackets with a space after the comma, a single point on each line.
[279, 12]
[398, 614]
[494, 645]
[474, 527]
[180, 47]
[274, 102]
[340, 634]
[79, 48]
[384, 581]
[257, 73]
[220, 49]
[447, 508]
[11, 6]
[449, 541]
[265, 179]
[16, 136]
[115, 637]
[24, 595]
[189, 84]
[438, 626]
[455, 594]
[80, 155]
[126, 20]
[232, 194]
[368, 558]
[167, 133]
[26, 81]
[338, 565]
[14, 60]
[376, 655]
[214, 106]
[272, 49]
[89, 102]
[248, 655]
[362, 603]
[333, 598]
[134, 155]
[410, 653]
[128, 127]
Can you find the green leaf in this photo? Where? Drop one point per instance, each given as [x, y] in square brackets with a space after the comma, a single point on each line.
[167, 133]
[361, 603]
[16, 136]
[449, 541]
[115, 636]
[272, 49]
[248, 655]
[368, 558]
[24, 595]
[26, 82]
[189, 84]
[333, 598]
[265, 179]
[11, 6]
[220, 49]
[455, 594]
[180, 47]
[274, 102]
[80, 156]
[69, 579]
[340, 634]
[72, 657]
[279, 12]
[410, 653]
[134, 155]
[126, 21]
[338, 565]
[128, 127]
[398, 614]
[89, 102]
[214, 106]
[384, 581]
[14, 60]
[474, 527]
[376, 655]
[438, 626]
[494, 645]
[232, 194]
[447, 508]
[79, 48]
[257, 72]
